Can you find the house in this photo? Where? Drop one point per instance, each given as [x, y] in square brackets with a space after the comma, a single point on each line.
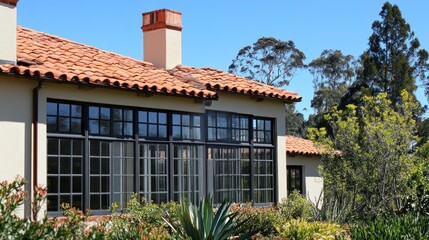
[95, 127]
[303, 161]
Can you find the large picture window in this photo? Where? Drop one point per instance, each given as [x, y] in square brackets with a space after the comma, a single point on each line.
[99, 154]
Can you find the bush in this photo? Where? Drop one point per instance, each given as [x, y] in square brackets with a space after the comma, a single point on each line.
[302, 229]
[295, 206]
[263, 220]
[398, 227]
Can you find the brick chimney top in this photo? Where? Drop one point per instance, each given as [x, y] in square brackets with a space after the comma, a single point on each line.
[10, 2]
[162, 19]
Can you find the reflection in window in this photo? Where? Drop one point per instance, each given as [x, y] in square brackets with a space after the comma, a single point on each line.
[186, 172]
[227, 127]
[294, 179]
[231, 172]
[186, 126]
[64, 173]
[263, 175]
[262, 131]
[123, 172]
[99, 175]
[152, 124]
[153, 172]
[64, 117]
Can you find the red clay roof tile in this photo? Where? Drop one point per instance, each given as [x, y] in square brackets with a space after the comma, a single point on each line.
[300, 146]
[56, 58]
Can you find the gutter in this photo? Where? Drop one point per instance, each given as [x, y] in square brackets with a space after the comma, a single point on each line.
[35, 146]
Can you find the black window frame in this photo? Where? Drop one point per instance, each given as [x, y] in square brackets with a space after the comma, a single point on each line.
[291, 182]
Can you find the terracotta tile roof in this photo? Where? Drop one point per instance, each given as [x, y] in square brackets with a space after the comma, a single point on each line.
[53, 57]
[216, 80]
[50, 57]
[300, 146]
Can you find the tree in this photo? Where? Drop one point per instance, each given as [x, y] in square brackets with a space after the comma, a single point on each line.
[269, 60]
[369, 177]
[393, 61]
[332, 73]
[295, 124]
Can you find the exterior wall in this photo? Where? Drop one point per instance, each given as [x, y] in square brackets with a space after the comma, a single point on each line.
[312, 181]
[266, 108]
[8, 33]
[15, 130]
[163, 47]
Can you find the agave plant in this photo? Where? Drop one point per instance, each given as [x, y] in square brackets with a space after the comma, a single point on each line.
[201, 222]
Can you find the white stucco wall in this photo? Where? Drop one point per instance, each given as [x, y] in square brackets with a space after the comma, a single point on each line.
[8, 33]
[267, 108]
[15, 130]
[312, 181]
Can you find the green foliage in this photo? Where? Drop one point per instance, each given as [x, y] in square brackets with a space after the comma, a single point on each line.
[393, 60]
[201, 222]
[398, 227]
[295, 206]
[294, 120]
[261, 220]
[302, 229]
[369, 178]
[268, 60]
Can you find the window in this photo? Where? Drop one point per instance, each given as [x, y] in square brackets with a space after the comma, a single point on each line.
[187, 168]
[263, 175]
[262, 131]
[152, 124]
[153, 172]
[99, 154]
[294, 179]
[110, 121]
[186, 126]
[64, 117]
[231, 173]
[227, 127]
[64, 173]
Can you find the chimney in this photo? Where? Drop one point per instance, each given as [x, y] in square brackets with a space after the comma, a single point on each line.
[8, 31]
[162, 38]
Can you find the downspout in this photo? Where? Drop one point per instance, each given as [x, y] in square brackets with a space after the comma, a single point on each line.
[35, 145]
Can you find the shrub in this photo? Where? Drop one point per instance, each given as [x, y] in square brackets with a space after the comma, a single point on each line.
[295, 206]
[262, 220]
[398, 227]
[201, 222]
[302, 229]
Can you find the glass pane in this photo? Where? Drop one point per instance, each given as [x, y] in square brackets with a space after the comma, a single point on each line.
[162, 131]
[211, 119]
[128, 115]
[128, 129]
[176, 132]
[105, 127]
[153, 117]
[162, 118]
[94, 127]
[52, 146]
[143, 130]
[94, 112]
[117, 128]
[52, 184]
[65, 167]
[268, 125]
[186, 120]
[244, 122]
[117, 114]
[176, 119]
[221, 134]
[65, 148]
[94, 165]
[221, 120]
[63, 124]
[77, 166]
[143, 116]
[95, 202]
[63, 109]
[52, 165]
[105, 166]
[185, 133]
[196, 133]
[52, 124]
[105, 184]
[76, 111]
[105, 113]
[211, 134]
[52, 109]
[65, 185]
[153, 130]
[261, 124]
[196, 121]
[77, 184]
[75, 125]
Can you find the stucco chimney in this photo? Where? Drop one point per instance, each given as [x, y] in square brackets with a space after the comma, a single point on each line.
[162, 38]
[8, 31]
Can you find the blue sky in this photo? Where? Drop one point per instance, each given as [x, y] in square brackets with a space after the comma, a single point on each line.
[214, 31]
